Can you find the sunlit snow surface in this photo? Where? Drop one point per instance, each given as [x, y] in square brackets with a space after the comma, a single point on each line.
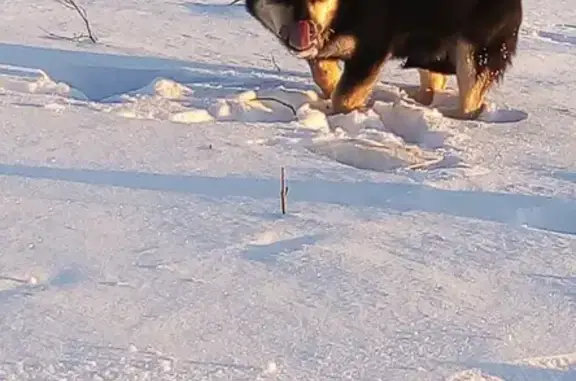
[141, 236]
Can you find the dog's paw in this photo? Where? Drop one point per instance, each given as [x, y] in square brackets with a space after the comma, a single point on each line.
[327, 107]
[323, 105]
[424, 97]
[459, 114]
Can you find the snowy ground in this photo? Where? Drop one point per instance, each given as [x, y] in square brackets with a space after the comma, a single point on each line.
[141, 236]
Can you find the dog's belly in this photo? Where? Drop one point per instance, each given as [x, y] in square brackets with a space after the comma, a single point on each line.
[432, 52]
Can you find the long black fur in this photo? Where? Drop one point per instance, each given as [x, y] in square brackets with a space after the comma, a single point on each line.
[418, 31]
[422, 33]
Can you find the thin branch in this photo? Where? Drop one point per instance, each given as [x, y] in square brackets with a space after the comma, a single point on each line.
[277, 100]
[83, 14]
[75, 38]
[275, 63]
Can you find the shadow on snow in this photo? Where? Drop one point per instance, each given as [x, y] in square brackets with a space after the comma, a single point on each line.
[540, 212]
[100, 75]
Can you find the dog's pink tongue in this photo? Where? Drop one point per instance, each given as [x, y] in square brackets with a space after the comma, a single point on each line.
[299, 34]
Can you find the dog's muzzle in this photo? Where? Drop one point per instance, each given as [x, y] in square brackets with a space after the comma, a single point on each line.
[302, 37]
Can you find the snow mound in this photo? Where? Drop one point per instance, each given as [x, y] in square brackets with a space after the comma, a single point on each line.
[448, 99]
[395, 133]
[549, 368]
[473, 375]
[414, 124]
[160, 87]
[389, 136]
[386, 137]
[165, 99]
[271, 105]
[35, 81]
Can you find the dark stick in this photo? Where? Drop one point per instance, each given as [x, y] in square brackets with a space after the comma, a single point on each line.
[283, 190]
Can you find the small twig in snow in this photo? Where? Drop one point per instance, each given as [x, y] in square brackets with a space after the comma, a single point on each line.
[277, 100]
[84, 15]
[75, 38]
[275, 64]
[283, 190]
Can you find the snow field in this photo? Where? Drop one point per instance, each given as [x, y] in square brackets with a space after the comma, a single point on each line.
[141, 235]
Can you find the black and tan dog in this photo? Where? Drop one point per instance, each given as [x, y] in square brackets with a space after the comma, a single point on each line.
[472, 39]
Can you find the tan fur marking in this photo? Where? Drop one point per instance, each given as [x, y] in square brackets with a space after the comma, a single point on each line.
[326, 74]
[430, 84]
[323, 11]
[355, 97]
[472, 89]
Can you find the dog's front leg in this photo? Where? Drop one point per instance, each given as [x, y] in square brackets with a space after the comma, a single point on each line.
[431, 83]
[357, 81]
[326, 74]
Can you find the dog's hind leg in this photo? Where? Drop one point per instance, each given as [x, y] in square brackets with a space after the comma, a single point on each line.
[357, 81]
[430, 84]
[472, 84]
[326, 74]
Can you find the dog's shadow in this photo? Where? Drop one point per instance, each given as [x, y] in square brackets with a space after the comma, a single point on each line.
[99, 76]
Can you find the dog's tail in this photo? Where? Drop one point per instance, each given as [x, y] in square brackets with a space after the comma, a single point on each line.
[494, 31]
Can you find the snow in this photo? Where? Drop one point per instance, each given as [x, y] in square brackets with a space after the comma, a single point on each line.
[141, 231]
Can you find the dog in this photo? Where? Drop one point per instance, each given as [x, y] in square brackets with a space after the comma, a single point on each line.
[475, 40]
